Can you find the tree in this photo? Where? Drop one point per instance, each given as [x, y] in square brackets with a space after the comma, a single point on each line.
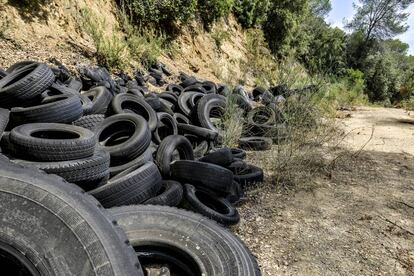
[380, 18]
[320, 8]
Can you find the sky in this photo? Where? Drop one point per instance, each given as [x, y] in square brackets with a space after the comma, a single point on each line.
[342, 10]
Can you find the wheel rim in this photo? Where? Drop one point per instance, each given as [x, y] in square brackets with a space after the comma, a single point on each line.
[161, 257]
[15, 263]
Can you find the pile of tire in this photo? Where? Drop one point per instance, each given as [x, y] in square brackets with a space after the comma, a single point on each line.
[122, 146]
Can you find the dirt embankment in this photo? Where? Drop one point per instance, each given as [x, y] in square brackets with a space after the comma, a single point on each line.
[357, 219]
[53, 30]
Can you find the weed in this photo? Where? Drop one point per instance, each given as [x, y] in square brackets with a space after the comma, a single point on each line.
[220, 35]
[232, 121]
[111, 49]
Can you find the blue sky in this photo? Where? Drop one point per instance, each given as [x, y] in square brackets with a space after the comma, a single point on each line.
[343, 10]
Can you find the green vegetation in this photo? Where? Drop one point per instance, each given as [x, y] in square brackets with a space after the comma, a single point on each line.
[251, 13]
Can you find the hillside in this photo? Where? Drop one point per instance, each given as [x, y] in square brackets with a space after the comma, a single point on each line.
[54, 31]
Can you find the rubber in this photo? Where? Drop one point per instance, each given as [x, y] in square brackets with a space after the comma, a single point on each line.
[133, 186]
[25, 83]
[222, 157]
[170, 194]
[206, 105]
[56, 142]
[124, 103]
[216, 250]
[166, 151]
[4, 120]
[255, 143]
[63, 109]
[84, 172]
[100, 97]
[40, 210]
[207, 204]
[167, 125]
[249, 176]
[202, 175]
[133, 131]
[89, 121]
[238, 153]
[135, 163]
[200, 132]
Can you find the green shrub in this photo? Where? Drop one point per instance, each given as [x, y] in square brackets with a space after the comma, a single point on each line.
[160, 13]
[212, 10]
[251, 13]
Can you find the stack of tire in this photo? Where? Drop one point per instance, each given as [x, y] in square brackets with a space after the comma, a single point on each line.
[123, 146]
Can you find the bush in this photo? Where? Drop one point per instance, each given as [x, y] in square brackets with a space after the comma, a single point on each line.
[251, 13]
[161, 13]
[212, 10]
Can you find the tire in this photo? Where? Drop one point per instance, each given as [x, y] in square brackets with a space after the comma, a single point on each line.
[183, 103]
[204, 175]
[208, 104]
[238, 153]
[195, 88]
[40, 210]
[255, 143]
[86, 105]
[100, 97]
[136, 163]
[25, 83]
[89, 121]
[124, 136]
[222, 157]
[261, 116]
[236, 194]
[249, 176]
[170, 194]
[133, 186]
[124, 103]
[201, 149]
[241, 102]
[215, 208]
[166, 151]
[181, 119]
[4, 120]
[200, 132]
[238, 167]
[52, 142]
[175, 88]
[57, 109]
[18, 65]
[167, 125]
[209, 249]
[84, 172]
[210, 87]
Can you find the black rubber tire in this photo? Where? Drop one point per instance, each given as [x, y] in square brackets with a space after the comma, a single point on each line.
[195, 88]
[210, 87]
[215, 208]
[167, 125]
[20, 64]
[25, 83]
[255, 143]
[3, 73]
[267, 116]
[124, 103]
[170, 194]
[132, 186]
[222, 157]
[153, 100]
[238, 167]
[200, 132]
[181, 119]
[100, 97]
[39, 210]
[4, 120]
[86, 105]
[249, 176]
[236, 194]
[188, 81]
[238, 153]
[136, 163]
[83, 172]
[204, 175]
[52, 142]
[183, 102]
[165, 152]
[175, 88]
[194, 98]
[63, 109]
[240, 101]
[89, 121]
[170, 97]
[206, 105]
[133, 131]
[212, 249]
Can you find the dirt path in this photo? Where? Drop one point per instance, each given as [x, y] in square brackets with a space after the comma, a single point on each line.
[357, 219]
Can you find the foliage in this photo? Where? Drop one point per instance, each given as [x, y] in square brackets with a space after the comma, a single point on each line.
[220, 35]
[380, 18]
[211, 10]
[282, 23]
[111, 48]
[160, 13]
[251, 13]
[320, 8]
[323, 49]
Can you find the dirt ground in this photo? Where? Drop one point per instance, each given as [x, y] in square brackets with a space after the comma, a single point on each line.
[356, 219]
